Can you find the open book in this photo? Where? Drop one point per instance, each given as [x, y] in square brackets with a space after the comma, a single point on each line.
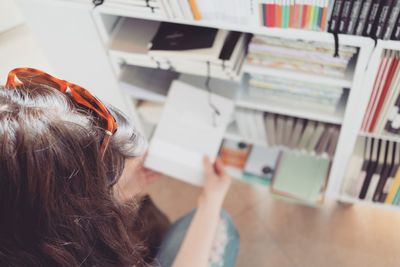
[187, 131]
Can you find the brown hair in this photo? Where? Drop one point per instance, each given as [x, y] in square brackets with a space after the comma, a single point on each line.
[56, 201]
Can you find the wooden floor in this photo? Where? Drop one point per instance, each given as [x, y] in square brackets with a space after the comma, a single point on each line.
[280, 234]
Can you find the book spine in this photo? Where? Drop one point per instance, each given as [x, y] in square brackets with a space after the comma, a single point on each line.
[324, 15]
[355, 12]
[345, 16]
[363, 17]
[391, 22]
[195, 9]
[334, 22]
[383, 17]
[270, 13]
[373, 16]
[396, 30]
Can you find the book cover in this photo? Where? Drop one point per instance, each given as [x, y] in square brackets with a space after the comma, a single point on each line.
[362, 19]
[301, 176]
[394, 14]
[297, 132]
[354, 14]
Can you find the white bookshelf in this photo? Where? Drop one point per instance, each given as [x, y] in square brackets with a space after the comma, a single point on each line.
[104, 23]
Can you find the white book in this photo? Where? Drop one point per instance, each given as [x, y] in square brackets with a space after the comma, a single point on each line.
[242, 124]
[288, 131]
[270, 128]
[297, 131]
[307, 135]
[259, 122]
[280, 127]
[316, 136]
[187, 132]
[251, 124]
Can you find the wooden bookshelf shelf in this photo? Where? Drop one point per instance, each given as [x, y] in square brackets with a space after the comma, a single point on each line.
[392, 138]
[290, 110]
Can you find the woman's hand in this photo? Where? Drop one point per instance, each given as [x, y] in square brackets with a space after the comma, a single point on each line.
[135, 177]
[216, 182]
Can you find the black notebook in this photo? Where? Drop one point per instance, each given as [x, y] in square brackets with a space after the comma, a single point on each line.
[175, 37]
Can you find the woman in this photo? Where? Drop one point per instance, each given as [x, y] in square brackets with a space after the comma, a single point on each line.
[66, 164]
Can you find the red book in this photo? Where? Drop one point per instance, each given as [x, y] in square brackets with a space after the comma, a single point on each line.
[378, 78]
[270, 13]
[389, 78]
[305, 16]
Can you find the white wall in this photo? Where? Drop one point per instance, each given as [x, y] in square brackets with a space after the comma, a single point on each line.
[10, 16]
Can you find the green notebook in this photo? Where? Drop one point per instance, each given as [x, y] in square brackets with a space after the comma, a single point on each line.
[301, 176]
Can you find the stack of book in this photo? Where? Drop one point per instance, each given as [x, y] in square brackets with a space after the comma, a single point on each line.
[307, 95]
[300, 56]
[373, 172]
[373, 18]
[299, 14]
[383, 111]
[141, 7]
[284, 131]
[182, 48]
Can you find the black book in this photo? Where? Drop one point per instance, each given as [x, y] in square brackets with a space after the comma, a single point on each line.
[396, 30]
[229, 45]
[391, 22]
[345, 16]
[355, 13]
[372, 167]
[386, 170]
[379, 27]
[366, 7]
[335, 17]
[372, 17]
[178, 37]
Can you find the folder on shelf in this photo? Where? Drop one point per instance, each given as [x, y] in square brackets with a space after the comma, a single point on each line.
[301, 176]
[188, 130]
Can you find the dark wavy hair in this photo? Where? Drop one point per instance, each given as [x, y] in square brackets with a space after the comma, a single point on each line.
[56, 202]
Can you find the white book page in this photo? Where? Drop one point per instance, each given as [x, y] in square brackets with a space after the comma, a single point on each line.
[186, 132]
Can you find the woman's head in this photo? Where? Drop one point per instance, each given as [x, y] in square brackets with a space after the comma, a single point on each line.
[56, 202]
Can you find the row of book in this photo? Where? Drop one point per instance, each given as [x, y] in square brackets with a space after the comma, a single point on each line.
[285, 131]
[300, 56]
[290, 173]
[373, 172]
[378, 19]
[298, 14]
[307, 95]
[383, 111]
[240, 12]
[183, 48]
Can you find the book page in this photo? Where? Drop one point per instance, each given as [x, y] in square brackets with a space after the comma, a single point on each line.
[187, 132]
